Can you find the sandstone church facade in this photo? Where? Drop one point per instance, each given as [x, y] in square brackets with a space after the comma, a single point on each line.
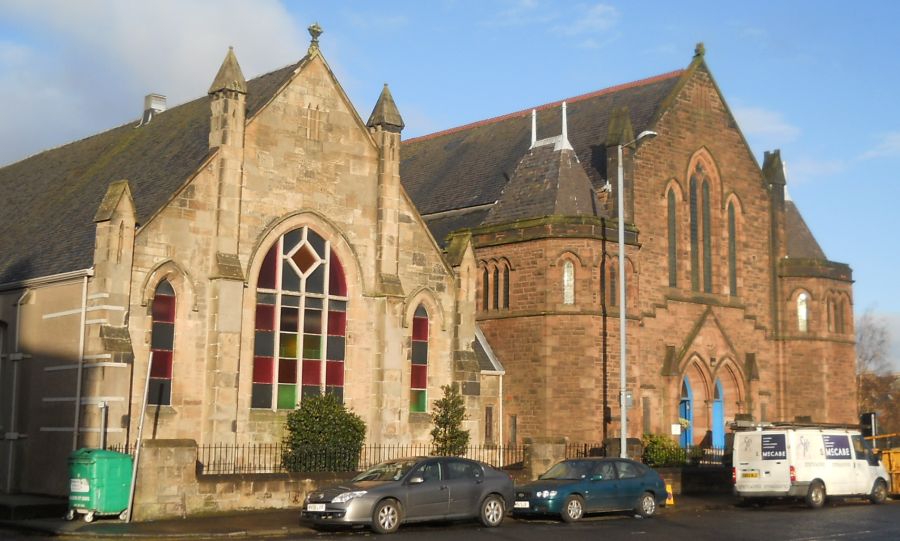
[264, 243]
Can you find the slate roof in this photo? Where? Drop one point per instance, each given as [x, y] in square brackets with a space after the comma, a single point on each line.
[547, 182]
[799, 240]
[49, 199]
[470, 165]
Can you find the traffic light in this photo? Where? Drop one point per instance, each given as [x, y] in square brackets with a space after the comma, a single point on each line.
[868, 424]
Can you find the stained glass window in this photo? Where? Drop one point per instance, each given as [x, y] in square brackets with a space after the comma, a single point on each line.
[418, 381]
[300, 324]
[162, 344]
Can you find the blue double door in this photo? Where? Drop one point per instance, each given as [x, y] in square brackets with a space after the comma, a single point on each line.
[686, 412]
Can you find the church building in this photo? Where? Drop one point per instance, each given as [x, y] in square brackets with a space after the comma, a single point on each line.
[264, 243]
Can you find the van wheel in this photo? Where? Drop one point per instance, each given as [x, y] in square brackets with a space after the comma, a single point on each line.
[879, 492]
[573, 509]
[386, 517]
[815, 498]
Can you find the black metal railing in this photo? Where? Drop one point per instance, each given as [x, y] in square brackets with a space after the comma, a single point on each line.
[582, 450]
[686, 456]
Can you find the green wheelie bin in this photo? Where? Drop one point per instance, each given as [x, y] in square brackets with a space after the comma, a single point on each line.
[99, 483]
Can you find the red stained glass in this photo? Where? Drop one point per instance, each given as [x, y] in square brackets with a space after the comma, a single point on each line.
[334, 373]
[312, 372]
[337, 323]
[287, 371]
[419, 377]
[337, 284]
[162, 365]
[267, 272]
[263, 369]
[265, 317]
[164, 308]
[305, 258]
[420, 329]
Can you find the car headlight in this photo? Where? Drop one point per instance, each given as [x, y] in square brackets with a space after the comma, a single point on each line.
[546, 494]
[347, 496]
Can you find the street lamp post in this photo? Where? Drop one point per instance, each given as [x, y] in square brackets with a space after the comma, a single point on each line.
[623, 404]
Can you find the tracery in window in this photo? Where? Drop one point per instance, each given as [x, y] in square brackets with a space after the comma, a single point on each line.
[301, 322]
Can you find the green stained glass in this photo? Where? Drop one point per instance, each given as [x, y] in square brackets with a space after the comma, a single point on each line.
[417, 401]
[287, 397]
[312, 346]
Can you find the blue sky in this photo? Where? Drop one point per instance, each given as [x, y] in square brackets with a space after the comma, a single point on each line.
[817, 79]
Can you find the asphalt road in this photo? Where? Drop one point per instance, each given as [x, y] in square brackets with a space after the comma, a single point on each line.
[777, 522]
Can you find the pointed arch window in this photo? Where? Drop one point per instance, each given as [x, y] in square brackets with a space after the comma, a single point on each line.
[301, 322]
[695, 236]
[613, 285]
[803, 312]
[707, 241]
[496, 298]
[485, 289]
[673, 239]
[162, 344]
[568, 283]
[418, 386]
[506, 287]
[732, 251]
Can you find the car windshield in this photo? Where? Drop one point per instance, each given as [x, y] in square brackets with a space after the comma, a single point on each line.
[569, 470]
[387, 471]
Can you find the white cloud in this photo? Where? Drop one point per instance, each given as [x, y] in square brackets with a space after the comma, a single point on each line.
[889, 146]
[803, 170]
[590, 20]
[757, 121]
[107, 54]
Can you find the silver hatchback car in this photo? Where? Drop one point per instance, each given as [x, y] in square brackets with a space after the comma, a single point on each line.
[413, 490]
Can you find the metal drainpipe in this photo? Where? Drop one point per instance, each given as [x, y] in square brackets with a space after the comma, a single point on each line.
[84, 286]
[13, 425]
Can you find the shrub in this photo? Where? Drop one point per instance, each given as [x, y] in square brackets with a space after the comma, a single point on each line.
[448, 436]
[662, 451]
[323, 435]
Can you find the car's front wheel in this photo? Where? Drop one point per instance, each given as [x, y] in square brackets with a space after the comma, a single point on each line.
[386, 516]
[646, 506]
[573, 509]
[492, 511]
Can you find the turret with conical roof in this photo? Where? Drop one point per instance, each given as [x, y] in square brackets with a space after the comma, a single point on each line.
[230, 76]
[385, 113]
[228, 94]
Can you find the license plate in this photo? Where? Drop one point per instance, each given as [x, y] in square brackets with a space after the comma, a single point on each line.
[521, 505]
[750, 474]
[315, 507]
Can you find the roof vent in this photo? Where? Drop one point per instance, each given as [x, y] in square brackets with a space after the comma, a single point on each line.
[153, 104]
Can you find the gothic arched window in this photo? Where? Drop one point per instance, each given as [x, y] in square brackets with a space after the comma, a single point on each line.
[506, 286]
[162, 344]
[707, 241]
[695, 236]
[568, 283]
[301, 322]
[418, 381]
[732, 251]
[673, 240]
[485, 289]
[803, 312]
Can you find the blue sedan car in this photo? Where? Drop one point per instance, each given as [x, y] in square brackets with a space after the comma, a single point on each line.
[573, 488]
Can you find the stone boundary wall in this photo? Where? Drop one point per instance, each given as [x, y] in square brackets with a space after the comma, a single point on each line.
[170, 487]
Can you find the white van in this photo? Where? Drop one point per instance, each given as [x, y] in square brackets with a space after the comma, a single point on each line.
[806, 462]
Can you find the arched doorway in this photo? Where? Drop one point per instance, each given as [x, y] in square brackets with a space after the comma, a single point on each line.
[718, 416]
[686, 413]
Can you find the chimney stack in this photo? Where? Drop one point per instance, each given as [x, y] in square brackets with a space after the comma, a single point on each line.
[153, 104]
